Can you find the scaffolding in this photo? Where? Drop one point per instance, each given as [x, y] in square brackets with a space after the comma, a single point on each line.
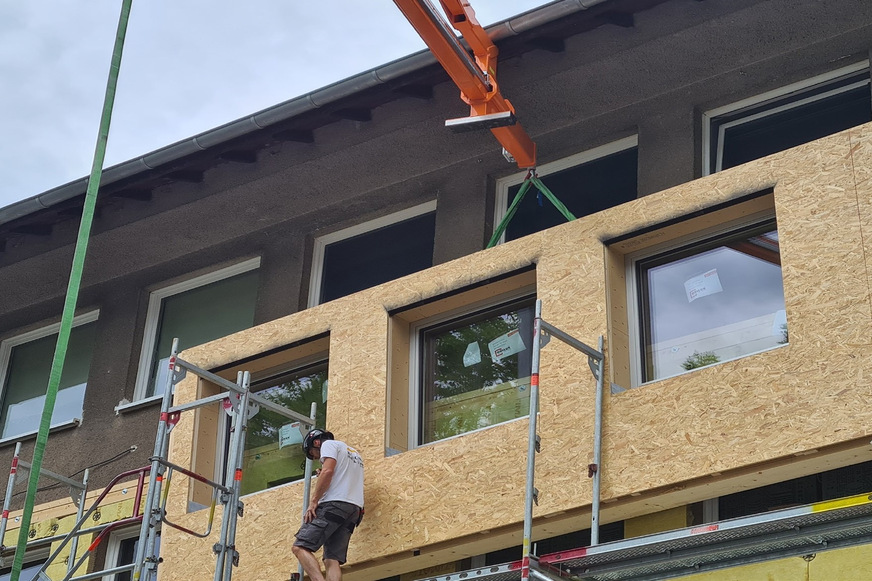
[542, 333]
[798, 531]
[153, 483]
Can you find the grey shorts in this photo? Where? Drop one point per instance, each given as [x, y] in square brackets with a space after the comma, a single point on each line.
[331, 528]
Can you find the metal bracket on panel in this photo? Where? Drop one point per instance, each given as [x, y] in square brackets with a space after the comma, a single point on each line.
[594, 367]
[544, 338]
[616, 389]
[536, 496]
[235, 559]
[240, 509]
[77, 496]
[173, 419]
[592, 469]
[179, 374]
[538, 443]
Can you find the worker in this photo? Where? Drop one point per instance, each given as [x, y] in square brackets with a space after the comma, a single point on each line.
[335, 506]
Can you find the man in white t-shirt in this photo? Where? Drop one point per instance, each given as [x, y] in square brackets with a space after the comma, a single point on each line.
[335, 506]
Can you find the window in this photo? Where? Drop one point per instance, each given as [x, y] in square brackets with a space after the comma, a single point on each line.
[121, 550]
[586, 183]
[475, 370]
[272, 447]
[829, 485]
[33, 562]
[195, 311]
[787, 117]
[25, 364]
[367, 255]
[709, 300]
[460, 361]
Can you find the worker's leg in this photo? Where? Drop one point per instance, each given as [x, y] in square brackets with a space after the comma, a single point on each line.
[309, 562]
[333, 570]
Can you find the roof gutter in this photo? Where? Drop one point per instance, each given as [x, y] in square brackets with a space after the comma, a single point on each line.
[284, 111]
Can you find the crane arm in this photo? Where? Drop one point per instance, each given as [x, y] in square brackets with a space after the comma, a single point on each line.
[474, 75]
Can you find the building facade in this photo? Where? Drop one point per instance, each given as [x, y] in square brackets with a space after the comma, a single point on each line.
[716, 155]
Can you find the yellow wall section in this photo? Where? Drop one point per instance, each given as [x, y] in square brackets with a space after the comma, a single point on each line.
[664, 520]
[851, 564]
[61, 525]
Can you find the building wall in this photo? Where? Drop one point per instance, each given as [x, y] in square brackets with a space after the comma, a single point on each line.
[653, 79]
[795, 410]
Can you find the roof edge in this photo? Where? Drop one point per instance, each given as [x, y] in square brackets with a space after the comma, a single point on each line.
[284, 111]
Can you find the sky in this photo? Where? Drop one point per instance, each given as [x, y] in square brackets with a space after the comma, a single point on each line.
[188, 66]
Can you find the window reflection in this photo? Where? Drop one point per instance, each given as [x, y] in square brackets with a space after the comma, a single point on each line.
[272, 446]
[711, 302]
[476, 371]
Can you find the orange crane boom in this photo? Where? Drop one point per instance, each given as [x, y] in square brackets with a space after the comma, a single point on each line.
[474, 75]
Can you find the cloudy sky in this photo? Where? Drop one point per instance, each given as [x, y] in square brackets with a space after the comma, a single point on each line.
[188, 66]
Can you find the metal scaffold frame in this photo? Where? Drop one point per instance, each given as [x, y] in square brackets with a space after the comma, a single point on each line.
[542, 333]
[798, 531]
[241, 404]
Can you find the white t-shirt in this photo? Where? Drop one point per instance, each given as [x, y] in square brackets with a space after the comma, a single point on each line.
[347, 482]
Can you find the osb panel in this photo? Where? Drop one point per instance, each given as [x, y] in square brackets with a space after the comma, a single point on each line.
[861, 161]
[791, 400]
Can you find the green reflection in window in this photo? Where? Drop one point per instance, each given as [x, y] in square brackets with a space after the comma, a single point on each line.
[476, 371]
[269, 461]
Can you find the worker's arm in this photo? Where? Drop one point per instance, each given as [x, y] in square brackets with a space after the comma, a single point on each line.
[322, 483]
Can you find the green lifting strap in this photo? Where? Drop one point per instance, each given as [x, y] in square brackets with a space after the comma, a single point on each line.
[72, 292]
[531, 180]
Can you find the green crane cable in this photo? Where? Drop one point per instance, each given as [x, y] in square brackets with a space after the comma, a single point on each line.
[72, 291]
[531, 180]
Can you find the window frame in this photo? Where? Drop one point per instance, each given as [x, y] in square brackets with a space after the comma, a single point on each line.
[501, 201]
[153, 316]
[416, 355]
[210, 440]
[760, 100]
[113, 549]
[7, 345]
[633, 286]
[32, 556]
[322, 242]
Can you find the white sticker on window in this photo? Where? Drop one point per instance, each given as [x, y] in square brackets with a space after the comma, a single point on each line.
[506, 345]
[290, 434]
[472, 356]
[703, 285]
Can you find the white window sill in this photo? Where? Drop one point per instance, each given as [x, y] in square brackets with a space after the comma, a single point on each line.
[75, 422]
[129, 406]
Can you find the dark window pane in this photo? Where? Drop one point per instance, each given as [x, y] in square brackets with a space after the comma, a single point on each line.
[378, 256]
[127, 554]
[476, 371]
[27, 381]
[201, 315]
[829, 485]
[786, 122]
[584, 189]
